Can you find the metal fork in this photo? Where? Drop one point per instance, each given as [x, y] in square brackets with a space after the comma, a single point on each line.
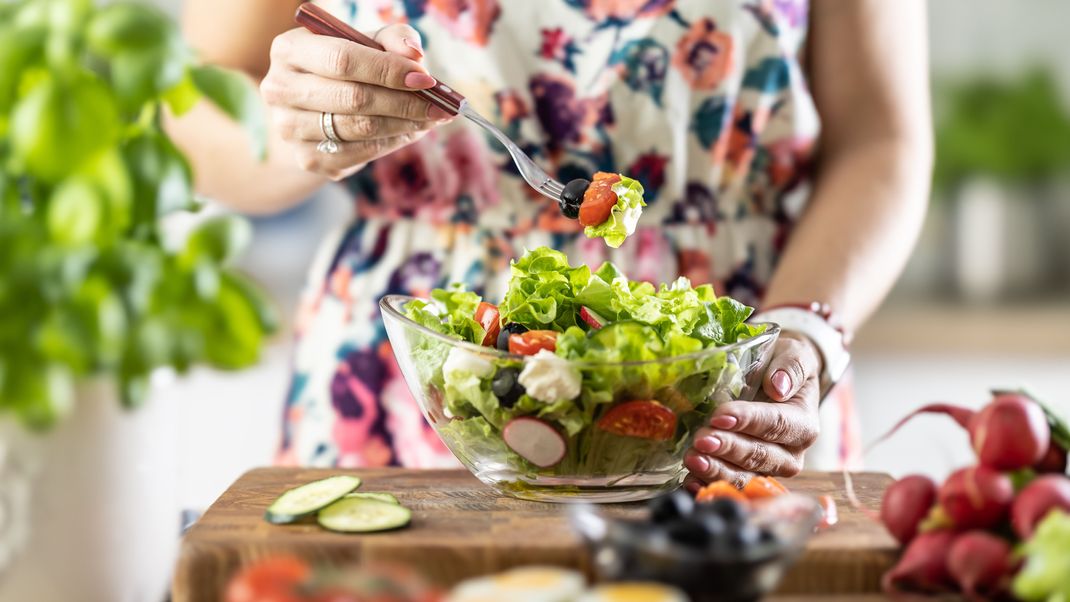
[319, 21]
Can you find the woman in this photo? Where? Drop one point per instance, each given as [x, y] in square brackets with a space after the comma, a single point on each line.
[784, 147]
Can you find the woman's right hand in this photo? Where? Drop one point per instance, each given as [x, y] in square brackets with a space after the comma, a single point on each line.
[366, 89]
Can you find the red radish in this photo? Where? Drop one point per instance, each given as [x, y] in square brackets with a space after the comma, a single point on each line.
[1009, 433]
[591, 318]
[535, 441]
[1044, 494]
[981, 564]
[977, 497]
[923, 566]
[1054, 461]
[906, 503]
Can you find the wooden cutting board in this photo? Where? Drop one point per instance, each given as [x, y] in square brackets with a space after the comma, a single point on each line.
[462, 528]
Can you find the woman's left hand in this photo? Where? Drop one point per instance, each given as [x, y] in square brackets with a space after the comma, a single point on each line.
[766, 437]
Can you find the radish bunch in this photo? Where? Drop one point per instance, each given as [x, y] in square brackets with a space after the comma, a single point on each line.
[960, 535]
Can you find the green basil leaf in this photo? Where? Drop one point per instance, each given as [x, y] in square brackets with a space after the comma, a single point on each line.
[76, 213]
[219, 239]
[236, 97]
[163, 180]
[125, 27]
[141, 77]
[183, 96]
[60, 124]
[234, 336]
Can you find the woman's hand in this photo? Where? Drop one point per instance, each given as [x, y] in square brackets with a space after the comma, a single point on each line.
[366, 90]
[764, 437]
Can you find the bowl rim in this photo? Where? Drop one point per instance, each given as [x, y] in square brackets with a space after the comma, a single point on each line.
[387, 306]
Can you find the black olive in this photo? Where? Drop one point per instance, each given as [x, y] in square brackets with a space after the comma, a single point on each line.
[697, 530]
[507, 330]
[766, 536]
[572, 197]
[666, 508]
[506, 386]
[744, 537]
[728, 509]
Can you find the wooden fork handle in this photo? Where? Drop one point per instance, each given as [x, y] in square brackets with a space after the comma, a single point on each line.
[317, 20]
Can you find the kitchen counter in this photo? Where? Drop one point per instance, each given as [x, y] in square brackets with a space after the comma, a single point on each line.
[462, 528]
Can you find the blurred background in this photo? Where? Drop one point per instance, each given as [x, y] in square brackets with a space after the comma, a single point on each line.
[985, 301]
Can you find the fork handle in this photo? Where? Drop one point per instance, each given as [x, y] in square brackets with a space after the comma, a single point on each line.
[317, 20]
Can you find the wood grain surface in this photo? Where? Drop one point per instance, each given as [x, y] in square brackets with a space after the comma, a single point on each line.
[461, 528]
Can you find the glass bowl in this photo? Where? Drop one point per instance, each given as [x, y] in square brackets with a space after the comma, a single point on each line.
[723, 571]
[597, 465]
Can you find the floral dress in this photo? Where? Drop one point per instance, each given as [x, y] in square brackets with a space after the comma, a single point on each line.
[703, 101]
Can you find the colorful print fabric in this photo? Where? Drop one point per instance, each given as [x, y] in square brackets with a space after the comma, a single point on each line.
[703, 101]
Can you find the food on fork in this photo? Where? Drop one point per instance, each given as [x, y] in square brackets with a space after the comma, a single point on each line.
[608, 207]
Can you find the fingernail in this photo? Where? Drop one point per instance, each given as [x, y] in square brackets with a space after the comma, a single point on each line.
[419, 81]
[708, 444]
[698, 464]
[781, 382]
[438, 113]
[724, 422]
[415, 45]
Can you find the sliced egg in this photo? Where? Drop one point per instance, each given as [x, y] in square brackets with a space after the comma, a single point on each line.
[528, 584]
[634, 592]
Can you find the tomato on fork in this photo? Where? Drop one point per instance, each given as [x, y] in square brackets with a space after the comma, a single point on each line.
[599, 200]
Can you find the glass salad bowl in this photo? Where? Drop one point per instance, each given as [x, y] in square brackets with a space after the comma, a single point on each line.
[620, 436]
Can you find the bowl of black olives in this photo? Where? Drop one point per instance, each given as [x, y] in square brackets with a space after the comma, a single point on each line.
[718, 551]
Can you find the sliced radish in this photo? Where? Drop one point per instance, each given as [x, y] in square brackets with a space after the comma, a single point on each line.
[535, 441]
[590, 318]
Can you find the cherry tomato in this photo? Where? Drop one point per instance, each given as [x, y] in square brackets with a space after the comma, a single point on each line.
[719, 489]
[272, 580]
[829, 514]
[762, 487]
[599, 200]
[488, 317]
[643, 419]
[530, 342]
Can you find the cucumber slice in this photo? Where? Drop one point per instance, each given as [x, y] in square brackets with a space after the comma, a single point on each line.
[387, 498]
[363, 515]
[309, 498]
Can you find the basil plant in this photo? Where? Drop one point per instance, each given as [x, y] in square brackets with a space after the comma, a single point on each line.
[88, 288]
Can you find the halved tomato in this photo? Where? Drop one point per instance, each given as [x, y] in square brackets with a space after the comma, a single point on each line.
[762, 487]
[719, 489]
[530, 342]
[599, 199]
[274, 579]
[643, 419]
[488, 317]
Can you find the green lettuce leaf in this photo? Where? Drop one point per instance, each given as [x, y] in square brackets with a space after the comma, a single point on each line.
[1046, 572]
[629, 201]
[451, 312]
[542, 288]
[468, 395]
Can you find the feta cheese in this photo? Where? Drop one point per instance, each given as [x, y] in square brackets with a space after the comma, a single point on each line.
[462, 360]
[549, 378]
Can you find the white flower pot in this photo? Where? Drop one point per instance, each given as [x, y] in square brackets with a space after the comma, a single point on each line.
[89, 511]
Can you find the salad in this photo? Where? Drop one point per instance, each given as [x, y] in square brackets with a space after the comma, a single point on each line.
[608, 207]
[584, 372]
